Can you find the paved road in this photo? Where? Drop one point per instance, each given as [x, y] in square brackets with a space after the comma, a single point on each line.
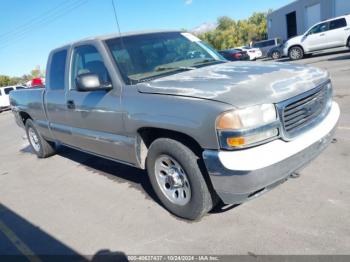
[74, 203]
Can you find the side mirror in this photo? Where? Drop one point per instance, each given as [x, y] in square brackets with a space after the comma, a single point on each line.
[90, 82]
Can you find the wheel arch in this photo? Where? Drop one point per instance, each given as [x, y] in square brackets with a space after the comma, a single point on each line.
[146, 136]
[24, 116]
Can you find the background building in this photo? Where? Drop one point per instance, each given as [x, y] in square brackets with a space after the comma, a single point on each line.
[296, 17]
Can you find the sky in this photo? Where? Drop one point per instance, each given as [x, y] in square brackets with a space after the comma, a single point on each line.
[29, 29]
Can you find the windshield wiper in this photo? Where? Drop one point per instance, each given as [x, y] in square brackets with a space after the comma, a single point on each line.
[171, 71]
[174, 68]
[207, 61]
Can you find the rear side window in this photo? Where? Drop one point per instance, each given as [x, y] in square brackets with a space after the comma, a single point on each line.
[339, 23]
[257, 45]
[264, 43]
[8, 90]
[271, 42]
[57, 70]
[19, 87]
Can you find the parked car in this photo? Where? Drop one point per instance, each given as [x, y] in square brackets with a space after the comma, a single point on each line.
[254, 53]
[266, 45]
[4, 96]
[204, 128]
[234, 54]
[325, 35]
[275, 52]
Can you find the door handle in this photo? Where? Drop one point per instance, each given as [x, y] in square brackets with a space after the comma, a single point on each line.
[321, 34]
[347, 29]
[70, 104]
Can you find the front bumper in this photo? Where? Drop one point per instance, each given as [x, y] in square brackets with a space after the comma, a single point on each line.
[240, 175]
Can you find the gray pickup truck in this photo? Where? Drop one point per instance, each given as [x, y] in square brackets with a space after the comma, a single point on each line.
[207, 130]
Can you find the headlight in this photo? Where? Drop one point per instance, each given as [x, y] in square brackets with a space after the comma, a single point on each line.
[247, 118]
[244, 127]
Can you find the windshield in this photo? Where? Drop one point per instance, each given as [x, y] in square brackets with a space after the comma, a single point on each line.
[149, 56]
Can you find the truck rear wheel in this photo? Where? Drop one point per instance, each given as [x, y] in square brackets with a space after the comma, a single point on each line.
[41, 147]
[177, 179]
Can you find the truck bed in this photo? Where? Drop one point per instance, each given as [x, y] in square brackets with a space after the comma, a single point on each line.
[30, 101]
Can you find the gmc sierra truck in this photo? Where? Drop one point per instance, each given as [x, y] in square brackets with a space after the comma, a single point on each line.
[207, 130]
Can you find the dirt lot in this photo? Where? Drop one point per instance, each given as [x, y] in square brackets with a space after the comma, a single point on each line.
[74, 203]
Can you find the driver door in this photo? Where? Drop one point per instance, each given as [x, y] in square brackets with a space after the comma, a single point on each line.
[316, 38]
[95, 117]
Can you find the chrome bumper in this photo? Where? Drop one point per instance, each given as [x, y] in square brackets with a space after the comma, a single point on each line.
[240, 175]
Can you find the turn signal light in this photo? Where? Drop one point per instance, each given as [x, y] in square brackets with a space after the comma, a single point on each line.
[240, 141]
[235, 141]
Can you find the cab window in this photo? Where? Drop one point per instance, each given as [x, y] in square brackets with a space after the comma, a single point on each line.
[57, 70]
[86, 59]
[319, 28]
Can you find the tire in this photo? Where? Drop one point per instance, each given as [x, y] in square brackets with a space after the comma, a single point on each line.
[41, 147]
[174, 167]
[348, 43]
[296, 53]
[275, 55]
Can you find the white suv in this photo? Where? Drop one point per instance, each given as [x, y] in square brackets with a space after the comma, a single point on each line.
[327, 34]
[4, 96]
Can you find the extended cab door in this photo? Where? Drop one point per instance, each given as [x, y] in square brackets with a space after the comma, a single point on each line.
[55, 96]
[96, 117]
[317, 37]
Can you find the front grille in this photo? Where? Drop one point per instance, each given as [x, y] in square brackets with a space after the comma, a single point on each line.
[299, 113]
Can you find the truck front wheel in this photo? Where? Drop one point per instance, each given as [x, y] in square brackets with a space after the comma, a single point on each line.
[41, 147]
[296, 53]
[177, 179]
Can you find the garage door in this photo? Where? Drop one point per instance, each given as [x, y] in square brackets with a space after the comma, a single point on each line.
[313, 15]
[342, 7]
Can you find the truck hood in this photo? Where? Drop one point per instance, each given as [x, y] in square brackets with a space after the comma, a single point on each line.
[240, 84]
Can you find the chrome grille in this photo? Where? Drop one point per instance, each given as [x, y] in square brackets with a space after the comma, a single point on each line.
[299, 113]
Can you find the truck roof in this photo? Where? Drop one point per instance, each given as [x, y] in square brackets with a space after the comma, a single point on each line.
[116, 35]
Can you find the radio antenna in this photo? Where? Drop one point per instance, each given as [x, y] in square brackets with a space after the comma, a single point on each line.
[116, 17]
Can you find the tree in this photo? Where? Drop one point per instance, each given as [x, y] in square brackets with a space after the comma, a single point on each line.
[4, 80]
[225, 23]
[8, 81]
[35, 73]
[230, 33]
